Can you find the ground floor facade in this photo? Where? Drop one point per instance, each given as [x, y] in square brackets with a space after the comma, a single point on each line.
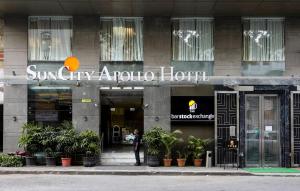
[262, 119]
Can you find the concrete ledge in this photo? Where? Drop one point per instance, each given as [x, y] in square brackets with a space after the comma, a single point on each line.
[137, 170]
[125, 170]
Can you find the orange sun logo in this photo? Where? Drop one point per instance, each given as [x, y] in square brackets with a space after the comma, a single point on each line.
[72, 63]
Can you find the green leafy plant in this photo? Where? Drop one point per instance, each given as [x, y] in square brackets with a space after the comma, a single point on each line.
[49, 140]
[182, 154]
[196, 146]
[65, 125]
[10, 161]
[67, 140]
[89, 142]
[169, 140]
[181, 149]
[153, 142]
[31, 138]
[50, 152]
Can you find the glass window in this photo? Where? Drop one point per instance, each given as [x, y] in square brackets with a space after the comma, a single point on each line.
[192, 44]
[49, 38]
[192, 40]
[49, 105]
[121, 39]
[263, 47]
[263, 40]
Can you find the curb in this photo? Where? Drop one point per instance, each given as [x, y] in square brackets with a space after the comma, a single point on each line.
[128, 173]
[277, 175]
[141, 172]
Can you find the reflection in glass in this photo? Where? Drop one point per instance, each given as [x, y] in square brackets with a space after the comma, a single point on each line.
[49, 105]
[263, 47]
[263, 40]
[192, 45]
[263, 68]
[192, 40]
[271, 130]
[262, 130]
[121, 39]
[49, 38]
[252, 130]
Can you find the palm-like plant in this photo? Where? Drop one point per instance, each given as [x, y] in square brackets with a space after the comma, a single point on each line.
[49, 140]
[152, 139]
[169, 140]
[196, 146]
[67, 141]
[89, 142]
[31, 138]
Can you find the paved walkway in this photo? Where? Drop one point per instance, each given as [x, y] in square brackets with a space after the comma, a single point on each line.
[124, 170]
[136, 170]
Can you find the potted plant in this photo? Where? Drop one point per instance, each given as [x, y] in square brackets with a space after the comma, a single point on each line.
[49, 142]
[50, 157]
[181, 152]
[152, 140]
[182, 155]
[196, 147]
[67, 143]
[169, 140]
[89, 143]
[30, 140]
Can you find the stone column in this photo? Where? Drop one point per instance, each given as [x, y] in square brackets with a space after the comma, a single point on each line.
[228, 46]
[292, 46]
[157, 52]
[15, 96]
[86, 49]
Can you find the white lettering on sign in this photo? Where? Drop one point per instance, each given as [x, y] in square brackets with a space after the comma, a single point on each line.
[191, 116]
[105, 74]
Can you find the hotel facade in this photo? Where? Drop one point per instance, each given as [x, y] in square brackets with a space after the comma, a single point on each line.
[214, 69]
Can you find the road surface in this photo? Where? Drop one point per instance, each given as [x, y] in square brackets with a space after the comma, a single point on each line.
[146, 183]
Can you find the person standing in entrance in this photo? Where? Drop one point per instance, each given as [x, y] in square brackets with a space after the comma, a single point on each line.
[136, 147]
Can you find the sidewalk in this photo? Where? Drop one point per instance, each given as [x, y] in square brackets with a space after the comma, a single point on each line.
[137, 170]
[124, 170]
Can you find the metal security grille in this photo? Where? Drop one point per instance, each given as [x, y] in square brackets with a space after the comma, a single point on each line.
[295, 131]
[226, 111]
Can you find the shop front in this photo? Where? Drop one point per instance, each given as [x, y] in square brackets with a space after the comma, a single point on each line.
[258, 117]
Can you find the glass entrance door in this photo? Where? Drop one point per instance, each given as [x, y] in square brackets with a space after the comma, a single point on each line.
[262, 130]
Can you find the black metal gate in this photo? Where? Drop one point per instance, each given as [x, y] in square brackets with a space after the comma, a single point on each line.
[295, 128]
[227, 117]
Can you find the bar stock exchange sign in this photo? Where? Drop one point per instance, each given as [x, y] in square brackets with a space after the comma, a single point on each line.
[192, 108]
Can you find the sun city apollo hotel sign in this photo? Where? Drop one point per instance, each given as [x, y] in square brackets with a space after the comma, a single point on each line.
[71, 64]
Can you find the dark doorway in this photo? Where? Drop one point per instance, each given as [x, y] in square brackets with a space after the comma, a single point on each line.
[121, 113]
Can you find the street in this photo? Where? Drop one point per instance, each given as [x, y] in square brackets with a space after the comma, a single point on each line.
[146, 183]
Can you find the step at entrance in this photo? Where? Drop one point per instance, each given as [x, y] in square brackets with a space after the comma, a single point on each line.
[119, 158]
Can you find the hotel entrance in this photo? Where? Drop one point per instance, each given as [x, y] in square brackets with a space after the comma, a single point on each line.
[262, 125]
[121, 114]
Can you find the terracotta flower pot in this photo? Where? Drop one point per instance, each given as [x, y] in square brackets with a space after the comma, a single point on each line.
[197, 162]
[167, 162]
[181, 162]
[66, 162]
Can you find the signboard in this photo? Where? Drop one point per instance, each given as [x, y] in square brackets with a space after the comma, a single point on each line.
[192, 108]
[44, 115]
[33, 73]
[232, 144]
[86, 100]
